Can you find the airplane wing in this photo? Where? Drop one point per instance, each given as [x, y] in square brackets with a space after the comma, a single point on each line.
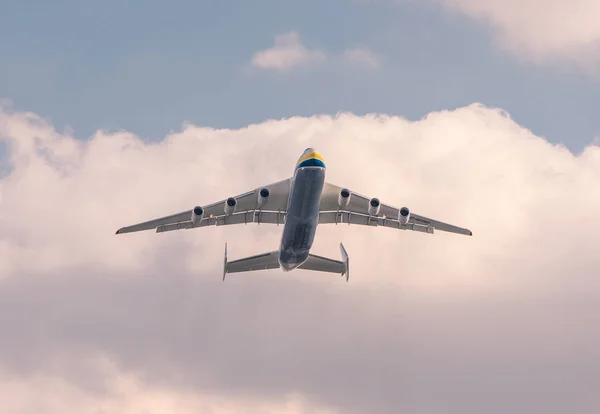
[340, 205]
[266, 204]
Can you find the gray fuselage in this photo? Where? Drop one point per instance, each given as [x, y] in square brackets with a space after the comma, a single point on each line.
[302, 216]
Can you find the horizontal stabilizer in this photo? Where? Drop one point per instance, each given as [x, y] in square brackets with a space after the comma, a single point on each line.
[270, 260]
[263, 261]
[324, 264]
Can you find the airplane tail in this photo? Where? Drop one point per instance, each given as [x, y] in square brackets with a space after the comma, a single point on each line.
[263, 261]
[270, 260]
[324, 264]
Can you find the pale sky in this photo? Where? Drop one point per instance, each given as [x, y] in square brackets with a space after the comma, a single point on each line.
[468, 100]
[149, 66]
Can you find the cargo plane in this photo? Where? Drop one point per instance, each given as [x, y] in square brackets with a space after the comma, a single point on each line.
[299, 203]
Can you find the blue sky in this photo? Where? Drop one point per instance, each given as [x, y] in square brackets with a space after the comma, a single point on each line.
[148, 66]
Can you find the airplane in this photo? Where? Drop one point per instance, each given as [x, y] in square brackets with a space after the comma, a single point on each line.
[300, 204]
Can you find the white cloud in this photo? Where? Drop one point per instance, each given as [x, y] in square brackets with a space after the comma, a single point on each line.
[362, 56]
[541, 30]
[287, 52]
[426, 324]
[124, 393]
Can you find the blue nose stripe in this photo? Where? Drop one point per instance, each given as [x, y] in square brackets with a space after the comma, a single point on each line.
[312, 162]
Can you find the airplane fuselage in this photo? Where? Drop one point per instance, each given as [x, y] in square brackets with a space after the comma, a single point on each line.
[303, 212]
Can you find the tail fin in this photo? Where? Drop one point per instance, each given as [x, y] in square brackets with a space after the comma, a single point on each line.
[346, 261]
[225, 263]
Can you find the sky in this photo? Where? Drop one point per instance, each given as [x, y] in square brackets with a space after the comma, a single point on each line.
[474, 113]
[149, 66]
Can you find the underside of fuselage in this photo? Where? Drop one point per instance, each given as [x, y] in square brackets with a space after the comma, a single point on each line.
[303, 214]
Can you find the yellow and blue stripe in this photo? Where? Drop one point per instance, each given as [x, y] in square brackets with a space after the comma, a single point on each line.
[310, 159]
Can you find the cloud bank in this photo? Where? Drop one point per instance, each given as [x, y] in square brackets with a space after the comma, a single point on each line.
[504, 321]
[563, 30]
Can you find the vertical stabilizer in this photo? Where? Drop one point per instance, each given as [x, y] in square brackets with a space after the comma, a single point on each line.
[225, 263]
[346, 261]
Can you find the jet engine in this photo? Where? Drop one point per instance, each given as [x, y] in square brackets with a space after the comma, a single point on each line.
[344, 198]
[404, 215]
[374, 206]
[230, 205]
[263, 196]
[197, 215]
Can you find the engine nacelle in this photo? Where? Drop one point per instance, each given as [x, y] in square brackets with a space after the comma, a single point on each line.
[404, 215]
[374, 206]
[263, 196]
[197, 215]
[230, 205]
[344, 198]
